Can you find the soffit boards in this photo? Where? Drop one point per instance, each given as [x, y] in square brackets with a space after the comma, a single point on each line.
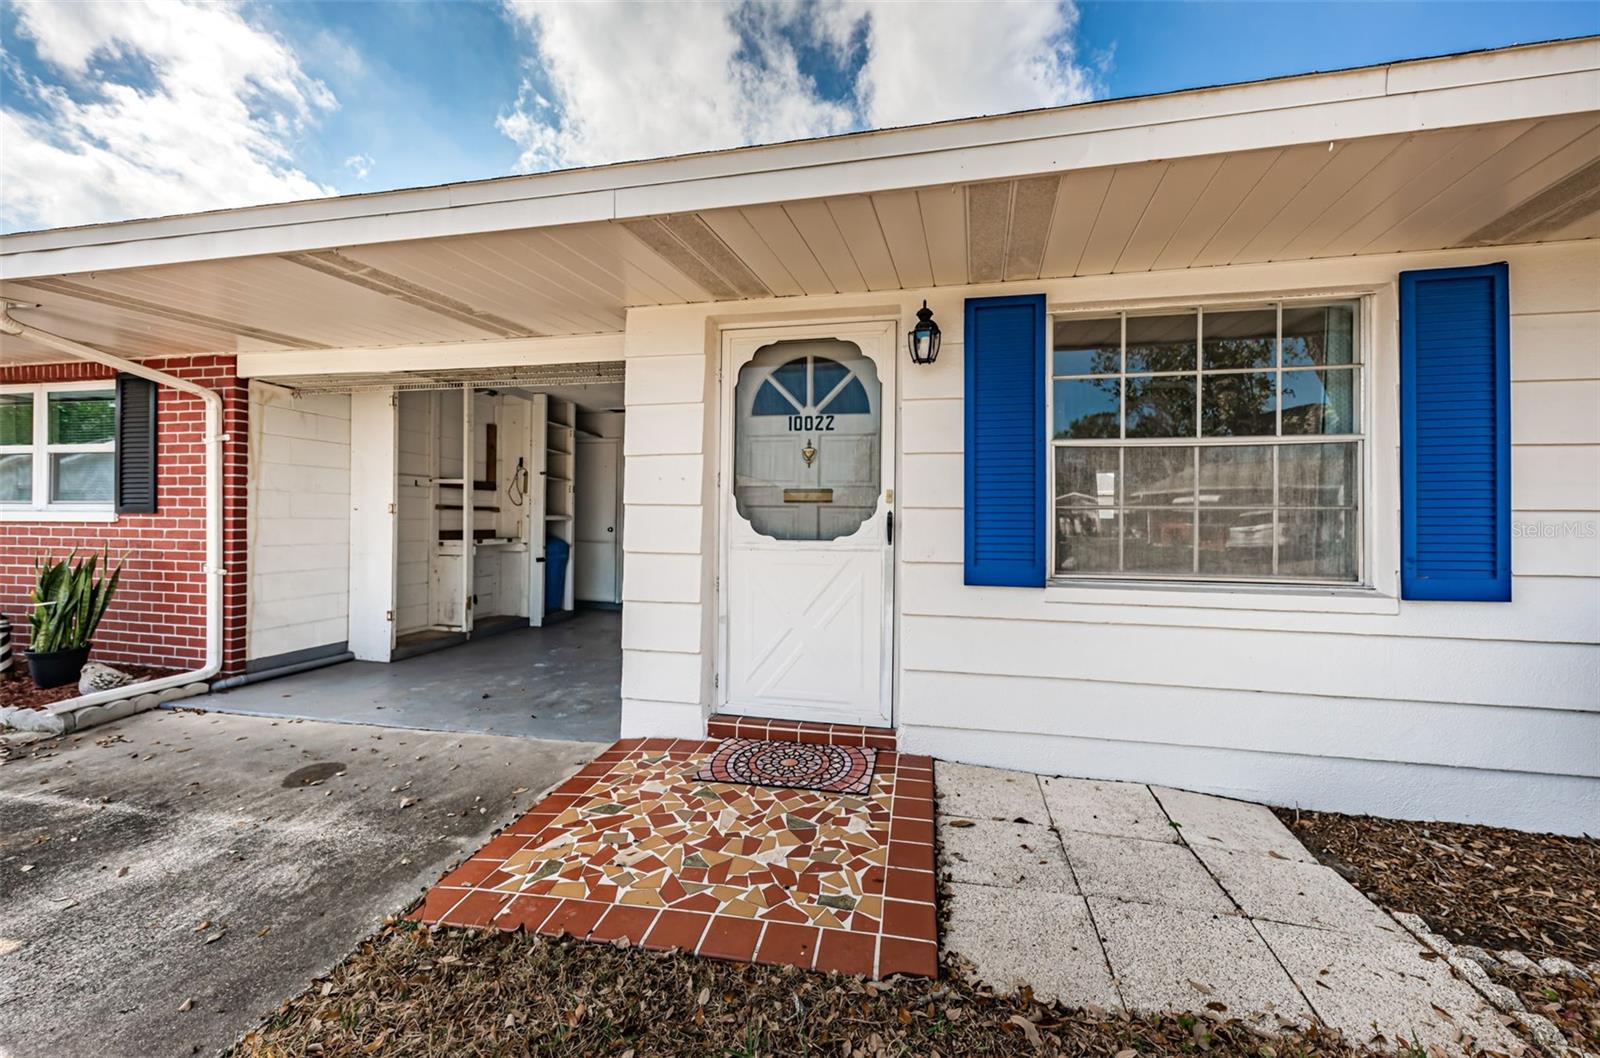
[1522, 181]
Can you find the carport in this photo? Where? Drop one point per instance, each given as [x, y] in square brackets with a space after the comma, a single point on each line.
[559, 682]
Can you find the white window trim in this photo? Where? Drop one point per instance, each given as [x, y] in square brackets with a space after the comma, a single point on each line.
[1370, 594]
[40, 507]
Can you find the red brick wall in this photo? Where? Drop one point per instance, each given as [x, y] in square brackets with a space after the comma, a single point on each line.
[158, 615]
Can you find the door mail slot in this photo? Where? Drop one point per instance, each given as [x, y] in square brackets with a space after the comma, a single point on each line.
[807, 495]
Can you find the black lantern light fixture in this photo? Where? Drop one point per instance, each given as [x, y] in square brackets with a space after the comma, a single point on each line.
[923, 341]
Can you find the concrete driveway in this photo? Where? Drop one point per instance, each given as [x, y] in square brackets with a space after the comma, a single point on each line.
[167, 880]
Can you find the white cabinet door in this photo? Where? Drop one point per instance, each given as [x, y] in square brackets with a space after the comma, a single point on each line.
[807, 511]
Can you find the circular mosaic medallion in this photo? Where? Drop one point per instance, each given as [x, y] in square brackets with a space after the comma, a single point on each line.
[795, 765]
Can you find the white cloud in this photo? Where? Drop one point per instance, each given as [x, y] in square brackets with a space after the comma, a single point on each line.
[626, 81]
[359, 165]
[639, 81]
[201, 113]
[929, 62]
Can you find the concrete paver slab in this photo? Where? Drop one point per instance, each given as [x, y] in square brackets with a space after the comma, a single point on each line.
[290, 838]
[1124, 809]
[1015, 855]
[1373, 983]
[1167, 958]
[1237, 825]
[1148, 872]
[988, 793]
[1303, 894]
[1034, 938]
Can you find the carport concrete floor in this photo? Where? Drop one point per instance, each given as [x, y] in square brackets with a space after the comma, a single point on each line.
[169, 879]
[563, 681]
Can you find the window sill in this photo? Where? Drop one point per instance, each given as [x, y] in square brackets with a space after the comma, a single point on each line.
[1297, 598]
[19, 514]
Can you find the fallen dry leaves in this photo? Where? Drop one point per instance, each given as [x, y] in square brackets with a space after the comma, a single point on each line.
[413, 991]
[1571, 1003]
[1495, 888]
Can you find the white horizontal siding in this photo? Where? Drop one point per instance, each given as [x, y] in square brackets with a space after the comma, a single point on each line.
[1376, 729]
[1360, 702]
[1491, 672]
[298, 522]
[667, 630]
[1542, 610]
[1432, 696]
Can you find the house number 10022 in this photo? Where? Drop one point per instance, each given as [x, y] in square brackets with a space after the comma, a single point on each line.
[811, 423]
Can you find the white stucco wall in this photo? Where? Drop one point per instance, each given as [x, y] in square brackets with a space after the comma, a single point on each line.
[1471, 711]
[298, 522]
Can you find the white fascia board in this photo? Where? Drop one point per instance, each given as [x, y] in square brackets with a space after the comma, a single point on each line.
[1521, 83]
[506, 352]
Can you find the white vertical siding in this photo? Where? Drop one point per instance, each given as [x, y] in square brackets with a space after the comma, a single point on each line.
[298, 522]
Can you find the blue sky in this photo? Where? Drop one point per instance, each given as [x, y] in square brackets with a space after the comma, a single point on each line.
[145, 107]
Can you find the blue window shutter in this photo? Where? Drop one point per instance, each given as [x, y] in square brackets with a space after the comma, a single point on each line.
[1005, 441]
[1455, 434]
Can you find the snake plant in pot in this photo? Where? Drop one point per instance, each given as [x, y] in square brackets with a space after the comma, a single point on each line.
[69, 598]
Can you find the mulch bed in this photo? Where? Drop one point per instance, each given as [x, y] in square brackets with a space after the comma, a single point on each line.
[415, 991]
[1497, 889]
[17, 687]
[1487, 886]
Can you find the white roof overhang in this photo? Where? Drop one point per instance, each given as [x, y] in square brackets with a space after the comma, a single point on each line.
[1480, 149]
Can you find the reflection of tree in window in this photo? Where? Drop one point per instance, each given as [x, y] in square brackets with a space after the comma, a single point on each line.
[1239, 405]
[1161, 406]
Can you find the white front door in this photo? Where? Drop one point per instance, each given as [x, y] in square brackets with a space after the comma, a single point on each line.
[807, 496]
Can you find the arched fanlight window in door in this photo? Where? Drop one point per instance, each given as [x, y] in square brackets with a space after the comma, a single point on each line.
[807, 443]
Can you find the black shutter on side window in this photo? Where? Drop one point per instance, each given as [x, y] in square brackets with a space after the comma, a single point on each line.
[136, 445]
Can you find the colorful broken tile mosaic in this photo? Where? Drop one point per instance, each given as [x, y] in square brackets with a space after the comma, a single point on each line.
[793, 765]
[639, 845]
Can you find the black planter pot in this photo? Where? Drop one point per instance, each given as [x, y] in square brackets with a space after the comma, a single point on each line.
[53, 668]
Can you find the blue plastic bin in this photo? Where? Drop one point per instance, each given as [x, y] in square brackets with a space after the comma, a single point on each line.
[556, 553]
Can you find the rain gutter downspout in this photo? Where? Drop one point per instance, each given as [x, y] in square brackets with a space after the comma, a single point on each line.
[214, 437]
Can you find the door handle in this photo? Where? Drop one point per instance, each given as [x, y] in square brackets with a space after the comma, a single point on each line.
[891, 527]
[610, 529]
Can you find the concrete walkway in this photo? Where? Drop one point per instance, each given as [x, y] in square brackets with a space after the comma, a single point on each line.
[1125, 896]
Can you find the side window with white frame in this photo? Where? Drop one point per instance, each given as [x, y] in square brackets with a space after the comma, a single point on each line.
[1209, 444]
[57, 448]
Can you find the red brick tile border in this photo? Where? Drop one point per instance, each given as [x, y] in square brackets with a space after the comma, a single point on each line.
[881, 738]
[904, 941]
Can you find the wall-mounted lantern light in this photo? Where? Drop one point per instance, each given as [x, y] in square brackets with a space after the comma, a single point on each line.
[923, 341]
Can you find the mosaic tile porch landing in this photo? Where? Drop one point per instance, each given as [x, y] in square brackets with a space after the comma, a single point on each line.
[636, 846]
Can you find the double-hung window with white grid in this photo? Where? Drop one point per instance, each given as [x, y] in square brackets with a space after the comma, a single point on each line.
[1219, 444]
[57, 447]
